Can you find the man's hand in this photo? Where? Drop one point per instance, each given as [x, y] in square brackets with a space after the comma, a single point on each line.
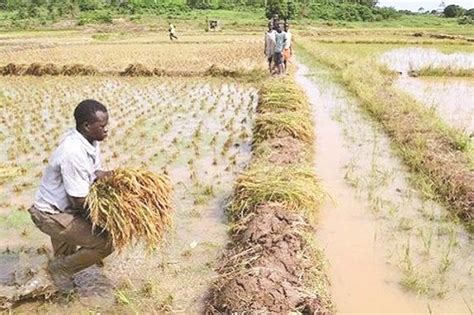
[78, 203]
[102, 174]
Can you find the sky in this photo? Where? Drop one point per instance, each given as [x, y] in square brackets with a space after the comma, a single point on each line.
[426, 4]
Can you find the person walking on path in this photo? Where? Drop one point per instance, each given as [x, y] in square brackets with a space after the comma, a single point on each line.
[60, 210]
[269, 49]
[280, 40]
[288, 51]
[172, 31]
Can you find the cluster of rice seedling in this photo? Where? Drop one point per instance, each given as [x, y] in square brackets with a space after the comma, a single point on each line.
[131, 205]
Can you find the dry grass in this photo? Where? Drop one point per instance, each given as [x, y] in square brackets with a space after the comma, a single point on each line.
[130, 205]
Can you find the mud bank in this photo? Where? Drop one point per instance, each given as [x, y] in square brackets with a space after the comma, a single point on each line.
[272, 264]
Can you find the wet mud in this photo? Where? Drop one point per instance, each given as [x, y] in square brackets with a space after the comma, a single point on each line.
[264, 271]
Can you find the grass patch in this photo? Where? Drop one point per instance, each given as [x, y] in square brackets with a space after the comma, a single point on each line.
[16, 219]
[444, 71]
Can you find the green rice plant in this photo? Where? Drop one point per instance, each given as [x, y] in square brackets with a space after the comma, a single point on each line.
[296, 124]
[444, 71]
[294, 186]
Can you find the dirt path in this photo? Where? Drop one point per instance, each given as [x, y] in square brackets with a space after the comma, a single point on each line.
[375, 231]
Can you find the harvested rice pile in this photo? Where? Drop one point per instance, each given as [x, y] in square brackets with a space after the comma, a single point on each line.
[131, 204]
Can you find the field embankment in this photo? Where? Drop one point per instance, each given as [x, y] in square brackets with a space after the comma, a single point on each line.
[440, 156]
[272, 264]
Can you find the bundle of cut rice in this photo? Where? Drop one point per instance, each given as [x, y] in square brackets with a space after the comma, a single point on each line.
[131, 204]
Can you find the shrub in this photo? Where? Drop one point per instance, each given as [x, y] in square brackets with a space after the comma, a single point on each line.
[453, 10]
[99, 17]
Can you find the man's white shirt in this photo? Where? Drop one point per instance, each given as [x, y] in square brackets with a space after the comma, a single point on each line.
[70, 172]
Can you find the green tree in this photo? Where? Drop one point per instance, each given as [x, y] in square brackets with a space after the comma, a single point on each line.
[453, 10]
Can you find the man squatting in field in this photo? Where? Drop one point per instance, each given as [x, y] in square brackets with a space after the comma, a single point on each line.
[59, 209]
[269, 49]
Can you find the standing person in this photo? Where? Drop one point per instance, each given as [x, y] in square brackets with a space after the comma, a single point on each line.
[288, 51]
[172, 31]
[60, 210]
[269, 49]
[280, 40]
[275, 20]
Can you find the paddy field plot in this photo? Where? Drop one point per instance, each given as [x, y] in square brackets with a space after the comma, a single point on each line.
[191, 53]
[197, 132]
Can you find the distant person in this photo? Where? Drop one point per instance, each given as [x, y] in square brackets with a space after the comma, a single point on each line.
[280, 41]
[269, 49]
[288, 51]
[275, 20]
[172, 31]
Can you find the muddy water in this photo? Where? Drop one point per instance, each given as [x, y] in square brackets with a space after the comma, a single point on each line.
[452, 99]
[388, 250]
[415, 58]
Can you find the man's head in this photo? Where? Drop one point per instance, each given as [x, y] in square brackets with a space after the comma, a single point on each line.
[286, 27]
[270, 26]
[91, 120]
[278, 28]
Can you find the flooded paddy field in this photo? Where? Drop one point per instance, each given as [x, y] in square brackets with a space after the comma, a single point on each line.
[383, 227]
[391, 240]
[451, 98]
[376, 222]
[197, 132]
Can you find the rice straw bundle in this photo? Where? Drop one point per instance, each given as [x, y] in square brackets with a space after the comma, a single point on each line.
[131, 204]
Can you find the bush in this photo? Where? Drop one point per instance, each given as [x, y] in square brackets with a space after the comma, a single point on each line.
[95, 17]
[466, 20]
[453, 10]
[349, 12]
[90, 5]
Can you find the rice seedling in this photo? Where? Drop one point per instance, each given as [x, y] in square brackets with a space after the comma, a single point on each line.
[130, 205]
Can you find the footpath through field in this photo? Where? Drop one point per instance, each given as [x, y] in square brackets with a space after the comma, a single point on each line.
[388, 250]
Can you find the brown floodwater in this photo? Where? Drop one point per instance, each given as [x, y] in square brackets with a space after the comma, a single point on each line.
[388, 250]
[451, 98]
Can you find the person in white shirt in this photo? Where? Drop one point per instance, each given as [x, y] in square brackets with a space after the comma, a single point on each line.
[59, 209]
[270, 43]
[288, 51]
[172, 31]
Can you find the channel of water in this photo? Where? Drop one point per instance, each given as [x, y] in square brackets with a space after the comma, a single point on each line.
[389, 251]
